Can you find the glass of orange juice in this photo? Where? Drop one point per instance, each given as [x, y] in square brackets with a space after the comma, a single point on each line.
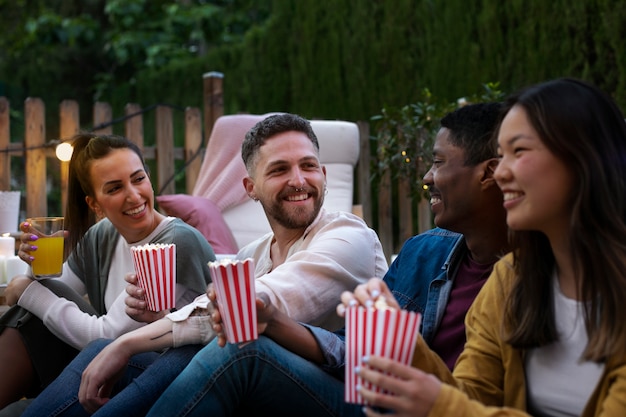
[48, 262]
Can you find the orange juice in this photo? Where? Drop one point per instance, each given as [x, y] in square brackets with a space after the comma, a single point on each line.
[48, 260]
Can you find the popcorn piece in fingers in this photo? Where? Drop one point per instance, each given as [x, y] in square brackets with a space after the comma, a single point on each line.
[381, 303]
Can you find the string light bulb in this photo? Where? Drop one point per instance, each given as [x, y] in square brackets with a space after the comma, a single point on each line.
[64, 151]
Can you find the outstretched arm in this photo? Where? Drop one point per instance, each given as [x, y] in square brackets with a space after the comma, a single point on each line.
[105, 369]
[190, 325]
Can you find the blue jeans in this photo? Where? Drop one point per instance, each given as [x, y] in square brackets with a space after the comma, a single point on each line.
[133, 394]
[260, 378]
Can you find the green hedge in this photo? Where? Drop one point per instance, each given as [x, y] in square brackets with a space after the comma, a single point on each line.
[347, 59]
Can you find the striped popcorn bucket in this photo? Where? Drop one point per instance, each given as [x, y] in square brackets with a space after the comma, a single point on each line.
[233, 281]
[155, 266]
[384, 332]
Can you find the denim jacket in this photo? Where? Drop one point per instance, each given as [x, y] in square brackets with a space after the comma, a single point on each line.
[421, 276]
[420, 279]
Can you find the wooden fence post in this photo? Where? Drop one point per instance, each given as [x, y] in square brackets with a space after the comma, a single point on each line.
[364, 172]
[69, 118]
[405, 211]
[133, 127]
[102, 115]
[35, 158]
[165, 150]
[385, 219]
[5, 142]
[424, 216]
[193, 144]
[213, 100]
[70, 125]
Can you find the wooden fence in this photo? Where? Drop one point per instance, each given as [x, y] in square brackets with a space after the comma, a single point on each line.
[37, 150]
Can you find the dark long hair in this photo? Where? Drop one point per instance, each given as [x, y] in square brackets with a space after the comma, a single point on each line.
[87, 148]
[583, 127]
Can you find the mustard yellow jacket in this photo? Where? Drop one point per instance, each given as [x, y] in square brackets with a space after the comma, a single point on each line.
[488, 379]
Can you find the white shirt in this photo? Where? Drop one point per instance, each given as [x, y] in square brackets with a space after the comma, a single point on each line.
[557, 382]
[77, 328]
[336, 253]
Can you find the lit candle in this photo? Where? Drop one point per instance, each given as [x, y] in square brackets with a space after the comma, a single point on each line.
[7, 245]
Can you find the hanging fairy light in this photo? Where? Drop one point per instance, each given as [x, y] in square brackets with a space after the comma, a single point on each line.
[64, 151]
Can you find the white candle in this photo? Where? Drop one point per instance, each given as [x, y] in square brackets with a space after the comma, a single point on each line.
[7, 245]
[3, 271]
[15, 266]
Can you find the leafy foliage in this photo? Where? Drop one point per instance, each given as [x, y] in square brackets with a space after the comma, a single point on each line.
[405, 136]
[344, 59]
[95, 46]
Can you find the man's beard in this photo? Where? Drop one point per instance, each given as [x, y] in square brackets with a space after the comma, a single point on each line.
[295, 218]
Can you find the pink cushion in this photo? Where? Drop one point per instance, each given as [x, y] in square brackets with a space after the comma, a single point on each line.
[202, 214]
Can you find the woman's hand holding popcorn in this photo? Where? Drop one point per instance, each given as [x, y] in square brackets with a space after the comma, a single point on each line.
[367, 295]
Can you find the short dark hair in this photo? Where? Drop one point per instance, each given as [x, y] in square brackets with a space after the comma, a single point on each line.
[473, 128]
[271, 126]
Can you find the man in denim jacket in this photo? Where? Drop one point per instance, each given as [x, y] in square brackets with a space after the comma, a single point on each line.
[437, 273]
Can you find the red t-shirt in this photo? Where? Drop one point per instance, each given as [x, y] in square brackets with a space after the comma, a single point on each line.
[450, 336]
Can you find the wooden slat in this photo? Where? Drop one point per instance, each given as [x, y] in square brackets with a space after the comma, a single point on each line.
[213, 100]
[69, 118]
[385, 219]
[193, 142]
[405, 212]
[149, 153]
[364, 173]
[424, 216]
[70, 125]
[35, 159]
[5, 142]
[134, 125]
[165, 150]
[102, 114]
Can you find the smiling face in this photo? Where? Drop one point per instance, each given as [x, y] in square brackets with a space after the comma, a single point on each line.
[123, 194]
[537, 186]
[288, 180]
[454, 186]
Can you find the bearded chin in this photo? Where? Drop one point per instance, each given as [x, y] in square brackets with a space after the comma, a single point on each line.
[296, 219]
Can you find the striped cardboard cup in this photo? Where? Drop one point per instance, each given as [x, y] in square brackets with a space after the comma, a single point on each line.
[374, 331]
[233, 281]
[155, 266]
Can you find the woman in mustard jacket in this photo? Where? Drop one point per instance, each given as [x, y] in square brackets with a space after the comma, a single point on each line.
[546, 336]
